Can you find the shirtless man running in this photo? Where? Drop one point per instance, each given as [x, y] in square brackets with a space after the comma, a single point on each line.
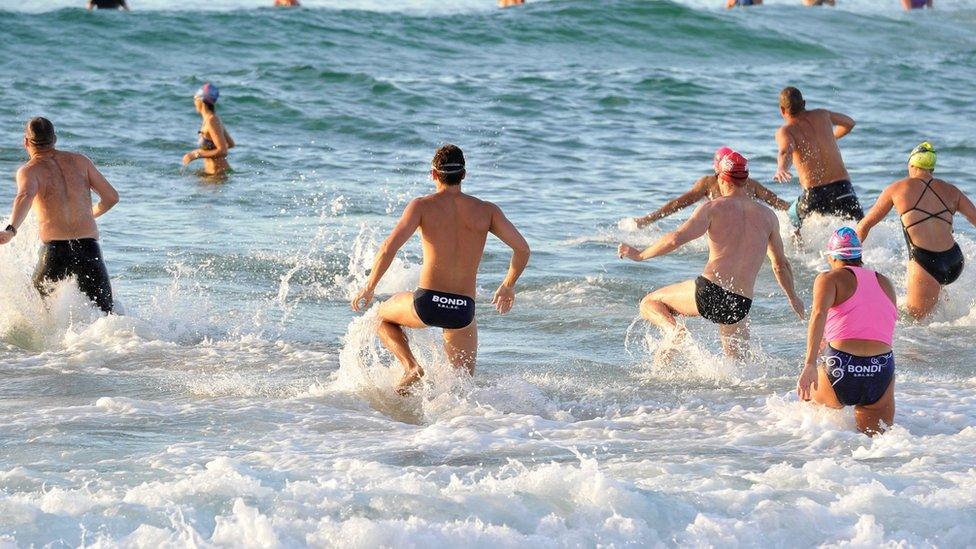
[809, 139]
[59, 185]
[454, 227]
[707, 187]
[740, 233]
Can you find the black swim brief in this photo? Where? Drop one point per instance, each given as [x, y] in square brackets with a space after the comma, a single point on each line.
[443, 310]
[82, 259]
[836, 199]
[945, 267]
[719, 305]
[858, 380]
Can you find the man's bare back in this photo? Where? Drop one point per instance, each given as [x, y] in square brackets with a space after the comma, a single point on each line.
[741, 233]
[63, 203]
[58, 186]
[738, 236]
[815, 152]
[454, 228]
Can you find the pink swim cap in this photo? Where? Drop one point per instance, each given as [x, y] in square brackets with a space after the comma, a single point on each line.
[734, 168]
[844, 244]
[720, 153]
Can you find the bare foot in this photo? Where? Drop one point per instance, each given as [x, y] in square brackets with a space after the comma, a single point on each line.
[410, 377]
[669, 346]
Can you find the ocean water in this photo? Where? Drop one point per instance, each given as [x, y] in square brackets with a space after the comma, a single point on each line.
[239, 403]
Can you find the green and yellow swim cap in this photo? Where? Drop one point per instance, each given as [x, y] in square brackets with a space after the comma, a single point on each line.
[923, 156]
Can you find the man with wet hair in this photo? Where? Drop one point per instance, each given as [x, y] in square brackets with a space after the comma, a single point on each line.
[108, 5]
[454, 228]
[741, 233]
[809, 139]
[58, 185]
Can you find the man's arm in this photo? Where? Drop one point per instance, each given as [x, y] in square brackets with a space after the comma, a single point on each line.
[108, 197]
[842, 123]
[824, 293]
[694, 227]
[404, 229]
[502, 228]
[782, 269]
[875, 214]
[698, 191]
[769, 197]
[784, 158]
[26, 191]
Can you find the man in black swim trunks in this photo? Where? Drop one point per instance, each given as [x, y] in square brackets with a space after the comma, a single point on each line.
[809, 140]
[58, 185]
[741, 232]
[108, 5]
[453, 228]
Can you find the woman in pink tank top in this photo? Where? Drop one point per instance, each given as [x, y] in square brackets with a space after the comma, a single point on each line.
[852, 324]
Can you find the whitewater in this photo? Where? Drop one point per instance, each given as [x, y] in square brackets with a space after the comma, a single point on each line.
[239, 403]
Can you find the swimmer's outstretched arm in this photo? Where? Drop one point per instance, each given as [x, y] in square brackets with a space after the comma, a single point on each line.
[696, 226]
[502, 228]
[784, 158]
[408, 224]
[824, 292]
[26, 191]
[877, 213]
[782, 269]
[769, 197]
[843, 124]
[698, 191]
[108, 197]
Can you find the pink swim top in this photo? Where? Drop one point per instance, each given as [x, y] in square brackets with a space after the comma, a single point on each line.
[868, 314]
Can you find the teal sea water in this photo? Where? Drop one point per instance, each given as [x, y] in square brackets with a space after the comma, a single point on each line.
[239, 403]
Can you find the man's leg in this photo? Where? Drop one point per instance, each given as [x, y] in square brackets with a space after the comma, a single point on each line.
[461, 346]
[396, 313]
[52, 267]
[93, 279]
[923, 291]
[660, 306]
[735, 338]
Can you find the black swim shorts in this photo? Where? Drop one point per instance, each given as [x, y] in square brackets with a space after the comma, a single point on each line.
[443, 310]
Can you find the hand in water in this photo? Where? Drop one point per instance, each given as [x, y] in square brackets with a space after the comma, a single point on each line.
[189, 157]
[783, 176]
[629, 252]
[807, 383]
[504, 299]
[5, 236]
[642, 222]
[365, 297]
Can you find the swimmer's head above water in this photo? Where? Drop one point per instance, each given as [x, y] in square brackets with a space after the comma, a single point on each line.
[448, 165]
[844, 245]
[207, 95]
[720, 153]
[39, 134]
[734, 169]
[791, 102]
[923, 156]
